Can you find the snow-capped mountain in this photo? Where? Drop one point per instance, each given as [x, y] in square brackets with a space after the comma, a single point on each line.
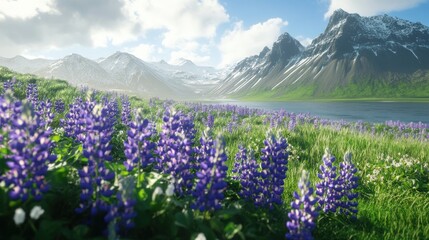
[124, 72]
[254, 73]
[78, 71]
[199, 79]
[24, 65]
[354, 52]
[136, 75]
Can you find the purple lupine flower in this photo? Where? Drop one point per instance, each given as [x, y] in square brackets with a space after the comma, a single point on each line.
[246, 170]
[240, 158]
[29, 147]
[139, 149]
[211, 174]
[122, 213]
[44, 110]
[127, 201]
[126, 111]
[59, 106]
[303, 214]
[75, 123]
[8, 85]
[349, 184]
[175, 150]
[292, 122]
[210, 121]
[96, 179]
[274, 166]
[329, 188]
[32, 93]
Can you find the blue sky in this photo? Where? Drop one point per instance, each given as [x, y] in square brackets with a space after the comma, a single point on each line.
[208, 32]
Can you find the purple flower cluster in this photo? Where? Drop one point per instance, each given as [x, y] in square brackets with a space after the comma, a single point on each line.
[175, 149]
[8, 85]
[59, 106]
[29, 150]
[292, 122]
[349, 184]
[126, 111]
[75, 122]
[274, 159]
[139, 148]
[96, 180]
[210, 121]
[211, 174]
[246, 170]
[44, 110]
[329, 188]
[122, 213]
[32, 93]
[303, 214]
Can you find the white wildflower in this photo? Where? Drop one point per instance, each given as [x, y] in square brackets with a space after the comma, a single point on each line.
[170, 190]
[200, 236]
[19, 216]
[156, 192]
[36, 212]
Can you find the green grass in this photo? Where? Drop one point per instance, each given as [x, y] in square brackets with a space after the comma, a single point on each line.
[394, 206]
[413, 88]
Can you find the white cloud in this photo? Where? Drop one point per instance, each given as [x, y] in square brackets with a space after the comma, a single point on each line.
[144, 51]
[371, 7]
[182, 19]
[43, 24]
[305, 41]
[239, 43]
[25, 9]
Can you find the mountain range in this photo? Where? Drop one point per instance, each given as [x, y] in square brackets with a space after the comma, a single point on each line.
[355, 57]
[125, 73]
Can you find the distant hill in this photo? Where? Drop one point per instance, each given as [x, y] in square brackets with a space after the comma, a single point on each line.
[126, 73]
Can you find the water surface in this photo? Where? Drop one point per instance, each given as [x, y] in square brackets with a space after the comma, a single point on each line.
[350, 111]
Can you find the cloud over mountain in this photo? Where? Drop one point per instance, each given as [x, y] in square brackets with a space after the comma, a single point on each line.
[371, 7]
[239, 42]
[100, 23]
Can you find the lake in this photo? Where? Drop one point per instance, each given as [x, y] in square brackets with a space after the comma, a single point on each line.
[350, 111]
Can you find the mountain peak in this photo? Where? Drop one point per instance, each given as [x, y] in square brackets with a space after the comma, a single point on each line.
[19, 57]
[285, 48]
[184, 62]
[74, 56]
[264, 52]
[163, 62]
[338, 16]
[284, 36]
[122, 54]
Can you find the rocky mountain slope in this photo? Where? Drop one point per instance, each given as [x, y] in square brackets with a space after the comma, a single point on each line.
[198, 79]
[24, 65]
[78, 71]
[124, 72]
[355, 57]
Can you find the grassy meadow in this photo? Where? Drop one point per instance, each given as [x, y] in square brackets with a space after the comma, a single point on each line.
[392, 169]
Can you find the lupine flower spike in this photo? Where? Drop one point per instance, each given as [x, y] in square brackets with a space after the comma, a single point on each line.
[349, 183]
[303, 214]
[209, 191]
[274, 160]
[329, 188]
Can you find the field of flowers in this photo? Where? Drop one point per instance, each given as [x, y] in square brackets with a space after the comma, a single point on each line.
[82, 164]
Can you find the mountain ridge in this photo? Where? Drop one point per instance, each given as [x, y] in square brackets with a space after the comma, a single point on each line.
[124, 72]
[354, 56]
[352, 51]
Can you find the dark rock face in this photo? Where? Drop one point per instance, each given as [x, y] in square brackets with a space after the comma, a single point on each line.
[350, 49]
